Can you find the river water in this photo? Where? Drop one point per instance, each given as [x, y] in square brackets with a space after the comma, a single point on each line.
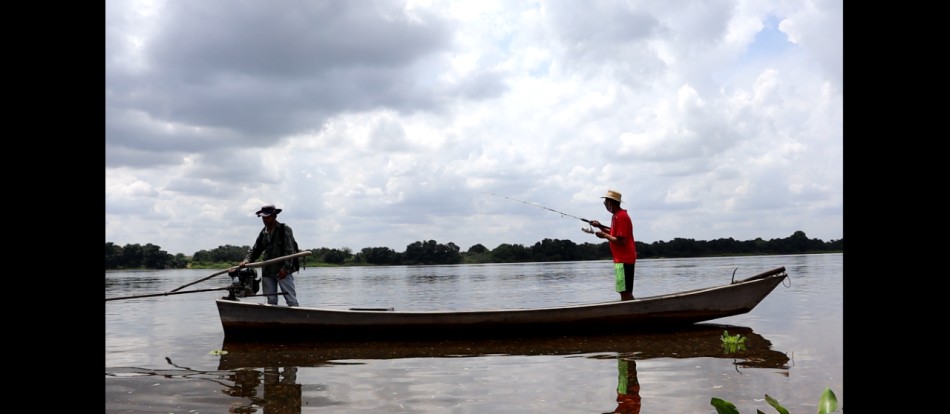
[167, 354]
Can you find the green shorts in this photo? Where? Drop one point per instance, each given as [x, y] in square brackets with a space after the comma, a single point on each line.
[624, 276]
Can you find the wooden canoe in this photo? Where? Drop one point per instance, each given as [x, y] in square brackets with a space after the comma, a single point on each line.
[257, 321]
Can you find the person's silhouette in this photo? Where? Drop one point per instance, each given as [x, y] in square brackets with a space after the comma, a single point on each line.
[628, 387]
[282, 394]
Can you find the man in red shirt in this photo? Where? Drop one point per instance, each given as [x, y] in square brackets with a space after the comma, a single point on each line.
[622, 245]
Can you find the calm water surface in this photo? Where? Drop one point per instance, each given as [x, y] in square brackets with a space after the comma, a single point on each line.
[162, 353]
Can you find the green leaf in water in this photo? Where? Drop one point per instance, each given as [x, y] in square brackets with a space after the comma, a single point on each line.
[774, 403]
[828, 403]
[723, 406]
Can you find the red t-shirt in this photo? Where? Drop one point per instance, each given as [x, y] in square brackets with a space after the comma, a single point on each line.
[621, 226]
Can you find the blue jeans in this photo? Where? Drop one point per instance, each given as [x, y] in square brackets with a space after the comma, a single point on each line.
[269, 285]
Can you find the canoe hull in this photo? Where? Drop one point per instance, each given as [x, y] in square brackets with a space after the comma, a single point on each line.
[243, 320]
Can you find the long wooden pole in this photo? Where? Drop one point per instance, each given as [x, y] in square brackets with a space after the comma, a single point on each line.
[255, 264]
[164, 294]
[150, 295]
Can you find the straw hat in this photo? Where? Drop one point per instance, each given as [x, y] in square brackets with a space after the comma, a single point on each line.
[613, 195]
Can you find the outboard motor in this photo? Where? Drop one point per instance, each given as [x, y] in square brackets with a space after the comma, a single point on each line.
[244, 282]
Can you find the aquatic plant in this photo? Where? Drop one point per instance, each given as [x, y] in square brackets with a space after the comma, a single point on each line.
[732, 344]
[827, 403]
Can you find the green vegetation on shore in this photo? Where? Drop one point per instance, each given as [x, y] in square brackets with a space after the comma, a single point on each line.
[150, 256]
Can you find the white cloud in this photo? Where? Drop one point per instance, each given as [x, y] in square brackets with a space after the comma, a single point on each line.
[384, 123]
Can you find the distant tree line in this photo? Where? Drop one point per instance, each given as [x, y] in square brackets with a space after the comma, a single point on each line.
[134, 256]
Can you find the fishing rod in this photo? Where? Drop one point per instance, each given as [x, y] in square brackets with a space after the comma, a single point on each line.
[563, 214]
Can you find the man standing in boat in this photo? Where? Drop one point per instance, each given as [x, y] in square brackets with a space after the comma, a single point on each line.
[622, 245]
[275, 240]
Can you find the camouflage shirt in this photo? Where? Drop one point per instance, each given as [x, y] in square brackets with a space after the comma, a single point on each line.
[276, 244]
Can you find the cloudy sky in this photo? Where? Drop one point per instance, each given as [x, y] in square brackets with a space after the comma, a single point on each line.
[383, 123]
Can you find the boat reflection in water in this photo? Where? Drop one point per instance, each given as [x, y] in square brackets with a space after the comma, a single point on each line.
[273, 367]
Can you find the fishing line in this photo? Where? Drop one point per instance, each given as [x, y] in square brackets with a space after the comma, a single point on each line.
[563, 214]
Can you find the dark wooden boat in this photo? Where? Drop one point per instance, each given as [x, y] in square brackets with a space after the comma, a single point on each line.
[258, 321]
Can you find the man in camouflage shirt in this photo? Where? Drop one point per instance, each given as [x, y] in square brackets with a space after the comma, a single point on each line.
[275, 240]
